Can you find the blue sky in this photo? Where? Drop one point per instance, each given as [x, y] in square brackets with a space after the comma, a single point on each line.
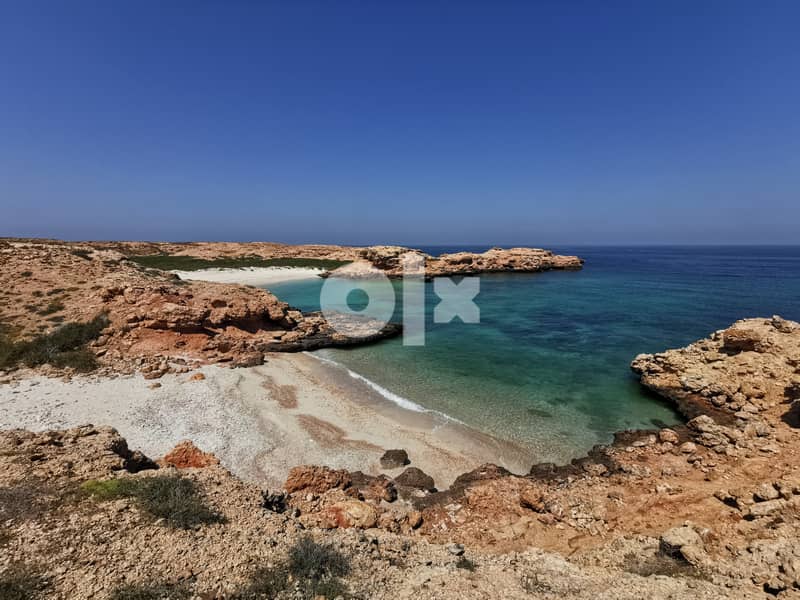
[406, 122]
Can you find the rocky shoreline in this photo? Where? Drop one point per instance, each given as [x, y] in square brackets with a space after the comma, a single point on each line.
[709, 509]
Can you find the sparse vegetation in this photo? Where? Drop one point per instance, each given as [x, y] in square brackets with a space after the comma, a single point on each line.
[167, 262]
[63, 347]
[81, 253]
[26, 274]
[315, 568]
[153, 591]
[172, 498]
[55, 291]
[22, 582]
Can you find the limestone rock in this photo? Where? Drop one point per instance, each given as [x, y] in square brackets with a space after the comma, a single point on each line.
[394, 459]
[351, 513]
[674, 540]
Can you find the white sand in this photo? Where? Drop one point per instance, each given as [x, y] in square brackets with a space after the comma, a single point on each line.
[262, 421]
[250, 275]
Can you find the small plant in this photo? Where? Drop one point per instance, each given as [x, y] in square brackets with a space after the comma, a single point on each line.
[172, 498]
[26, 274]
[152, 591]
[37, 293]
[314, 568]
[55, 291]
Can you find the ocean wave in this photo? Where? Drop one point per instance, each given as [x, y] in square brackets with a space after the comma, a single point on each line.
[391, 396]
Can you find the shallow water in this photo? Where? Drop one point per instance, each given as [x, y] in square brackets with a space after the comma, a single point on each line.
[548, 365]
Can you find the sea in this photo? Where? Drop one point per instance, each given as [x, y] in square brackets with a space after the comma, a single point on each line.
[548, 364]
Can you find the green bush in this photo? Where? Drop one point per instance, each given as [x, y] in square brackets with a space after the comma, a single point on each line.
[315, 568]
[170, 497]
[166, 262]
[63, 347]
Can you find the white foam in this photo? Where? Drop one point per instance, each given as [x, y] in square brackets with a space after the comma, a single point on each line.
[391, 396]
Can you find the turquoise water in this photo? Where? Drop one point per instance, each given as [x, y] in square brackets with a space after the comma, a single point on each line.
[547, 366]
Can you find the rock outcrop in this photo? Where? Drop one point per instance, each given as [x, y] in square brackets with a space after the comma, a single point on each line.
[389, 260]
[158, 323]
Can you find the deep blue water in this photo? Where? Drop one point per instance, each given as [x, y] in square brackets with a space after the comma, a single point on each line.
[547, 366]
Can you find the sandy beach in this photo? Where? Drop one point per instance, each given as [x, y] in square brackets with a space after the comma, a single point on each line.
[261, 421]
[250, 275]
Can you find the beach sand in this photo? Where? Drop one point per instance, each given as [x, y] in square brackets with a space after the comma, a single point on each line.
[250, 275]
[261, 421]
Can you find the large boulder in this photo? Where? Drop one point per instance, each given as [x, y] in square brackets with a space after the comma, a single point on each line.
[394, 459]
[316, 479]
[682, 542]
[350, 513]
[186, 456]
[415, 478]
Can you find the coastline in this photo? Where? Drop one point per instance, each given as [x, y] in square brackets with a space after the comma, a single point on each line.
[262, 421]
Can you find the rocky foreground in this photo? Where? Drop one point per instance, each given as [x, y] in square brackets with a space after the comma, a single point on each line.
[709, 510]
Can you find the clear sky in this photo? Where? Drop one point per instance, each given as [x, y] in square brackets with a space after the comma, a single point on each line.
[553, 122]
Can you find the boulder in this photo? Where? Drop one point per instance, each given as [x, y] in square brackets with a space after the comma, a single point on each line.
[740, 339]
[375, 489]
[187, 456]
[532, 499]
[316, 479]
[668, 436]
[394, 459]
[766, 491]
[350, 513]
[674, 540]
[415, 478]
